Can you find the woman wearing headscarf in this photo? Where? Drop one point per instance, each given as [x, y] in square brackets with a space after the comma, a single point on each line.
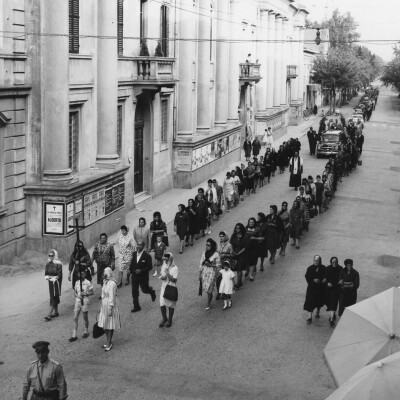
[109, 318]
[181, 225]
[53, 274]
[193, 229]
[158, 228]
[210, 264]
[295, 221]
[240, 243]
[315, 296]
[126, 247]
[104, 256]
[285, 218]
[141, 233]
[79, 261]
[349, 282]
[332, 288]
[253, 233]
[275, 229]
[169, 276]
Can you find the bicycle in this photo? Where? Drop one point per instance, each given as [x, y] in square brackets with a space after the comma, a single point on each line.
[306, 115]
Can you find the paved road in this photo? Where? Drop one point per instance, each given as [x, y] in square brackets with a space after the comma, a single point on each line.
[259, 349]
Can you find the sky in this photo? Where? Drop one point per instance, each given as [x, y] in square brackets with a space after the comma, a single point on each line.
[378, 20]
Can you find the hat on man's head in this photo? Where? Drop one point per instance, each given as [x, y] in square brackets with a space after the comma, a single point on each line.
[41, 346]
[348, 261]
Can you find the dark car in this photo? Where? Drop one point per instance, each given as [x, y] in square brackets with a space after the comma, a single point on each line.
[329, 143]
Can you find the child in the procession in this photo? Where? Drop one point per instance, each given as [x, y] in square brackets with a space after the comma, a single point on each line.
[159, 251]
[227, 283]
[81, 304]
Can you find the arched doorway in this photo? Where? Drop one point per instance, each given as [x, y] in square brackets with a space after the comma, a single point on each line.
[138, 146]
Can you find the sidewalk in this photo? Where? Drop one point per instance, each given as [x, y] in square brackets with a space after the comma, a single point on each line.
[32, 285]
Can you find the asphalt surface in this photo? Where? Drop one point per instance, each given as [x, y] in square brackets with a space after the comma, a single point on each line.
[261, 348]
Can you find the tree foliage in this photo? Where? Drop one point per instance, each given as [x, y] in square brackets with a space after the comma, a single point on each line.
[391, 71]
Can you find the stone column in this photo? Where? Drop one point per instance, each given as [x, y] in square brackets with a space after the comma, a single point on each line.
[263, 57]
[222, 63]
[271, 60]
[203, 71]
[277, 67]
[107, 85]
[301, 65]
[55, 75]
[234, 61]
[284, 58]
[295, 61]
[186, 58]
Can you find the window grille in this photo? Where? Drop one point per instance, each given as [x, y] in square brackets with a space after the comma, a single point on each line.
[73, 140]
[120, 25]
[164, 120]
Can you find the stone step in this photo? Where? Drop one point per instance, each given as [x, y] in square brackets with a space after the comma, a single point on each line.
[141, 198]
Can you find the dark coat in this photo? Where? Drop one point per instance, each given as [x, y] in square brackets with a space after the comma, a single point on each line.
[332, 293]
[144, 265]
[348, 290]
[247, 148]
[315, 295]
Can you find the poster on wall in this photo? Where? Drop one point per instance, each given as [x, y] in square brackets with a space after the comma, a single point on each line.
[53, 214]
[114, 197]
[94, 206]
[70, 217]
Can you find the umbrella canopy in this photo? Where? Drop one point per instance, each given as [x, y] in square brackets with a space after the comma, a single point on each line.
[376, 381]
[367, 332]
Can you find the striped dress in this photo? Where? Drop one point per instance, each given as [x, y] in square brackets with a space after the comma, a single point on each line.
[109, 301]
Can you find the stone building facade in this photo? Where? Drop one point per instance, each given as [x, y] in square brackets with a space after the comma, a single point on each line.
[106, 102]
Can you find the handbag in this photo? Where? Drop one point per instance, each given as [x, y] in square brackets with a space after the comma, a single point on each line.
[171, 293]
[97, 331]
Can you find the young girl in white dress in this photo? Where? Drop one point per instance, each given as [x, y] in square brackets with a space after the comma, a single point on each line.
[227, 283]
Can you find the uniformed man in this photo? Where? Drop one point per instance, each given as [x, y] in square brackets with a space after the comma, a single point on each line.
[45, 376]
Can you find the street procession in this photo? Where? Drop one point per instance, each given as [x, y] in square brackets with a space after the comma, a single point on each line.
[199, 200]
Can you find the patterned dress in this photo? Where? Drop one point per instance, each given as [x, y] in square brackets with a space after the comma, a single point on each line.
[209, 274]
[104, 256]
[126, 248]
[109, 302]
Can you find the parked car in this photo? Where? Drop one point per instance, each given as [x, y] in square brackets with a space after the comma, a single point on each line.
[355, 117]
[329, 143]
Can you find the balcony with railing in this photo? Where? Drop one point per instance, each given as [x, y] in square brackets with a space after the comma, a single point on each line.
[147, 70]
[291, 72]
[249, 72]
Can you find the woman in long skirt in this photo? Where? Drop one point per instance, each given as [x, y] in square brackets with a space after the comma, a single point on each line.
[169, 276]
[275, 228]
[332, 288]
[349, 282]
[109, 318]
[315, 296]
[285, 218]
[53, 273]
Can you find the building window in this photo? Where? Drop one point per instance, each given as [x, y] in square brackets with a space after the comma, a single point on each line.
[120, 22]
[74, 26]
[119, 130]
[73, 153]
[211, 31]
[164, 120]
[165, 29]
[143, 17]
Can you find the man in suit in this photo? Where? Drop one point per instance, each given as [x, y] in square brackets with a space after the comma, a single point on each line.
[140, 267]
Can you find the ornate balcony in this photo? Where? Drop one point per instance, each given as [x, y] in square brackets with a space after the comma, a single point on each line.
[291, 72]
[249, 72]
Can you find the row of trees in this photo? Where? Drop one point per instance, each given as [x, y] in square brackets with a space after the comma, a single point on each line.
[391, 71]
[347, 66]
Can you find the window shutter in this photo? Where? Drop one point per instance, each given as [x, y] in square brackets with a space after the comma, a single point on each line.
[166, 31]
[120, 23]
[164, 18]
[74, 26]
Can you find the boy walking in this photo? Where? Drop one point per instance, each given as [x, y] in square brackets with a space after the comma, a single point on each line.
[159, 250]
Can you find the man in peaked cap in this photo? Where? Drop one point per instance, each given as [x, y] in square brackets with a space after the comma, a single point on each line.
[45, 376]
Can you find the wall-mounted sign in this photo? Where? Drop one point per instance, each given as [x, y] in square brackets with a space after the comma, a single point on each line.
[70, 217]
[94, 206]
[53, 214]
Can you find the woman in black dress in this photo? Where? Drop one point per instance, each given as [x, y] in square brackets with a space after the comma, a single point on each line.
[268, 167]
[201, 214]
[104, 255]
[253, 234]
[193, 229]
[80, 261]
[240, 243]
[274, 161]
[158, 228]
[285, 218]
[349, 282]
[247, 148]
[275, 228]
[332, 288]
[281, 159]
[181, 225]
[315, 296]
[53, 274]
[262, 248]
[241, 187]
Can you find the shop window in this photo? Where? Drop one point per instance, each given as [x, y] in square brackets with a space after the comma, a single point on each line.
[120, 27]
[74, 26]
[164, 120]
[73, 151]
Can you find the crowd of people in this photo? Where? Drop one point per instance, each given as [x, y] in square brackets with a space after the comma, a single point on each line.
[224, 266]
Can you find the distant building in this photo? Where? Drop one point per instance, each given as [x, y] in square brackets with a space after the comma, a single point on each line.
[106, 102]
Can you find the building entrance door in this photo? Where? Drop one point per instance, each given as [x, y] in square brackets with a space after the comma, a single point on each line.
[138, 153]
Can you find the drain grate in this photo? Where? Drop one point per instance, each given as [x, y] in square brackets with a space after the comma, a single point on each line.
[389, 261]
